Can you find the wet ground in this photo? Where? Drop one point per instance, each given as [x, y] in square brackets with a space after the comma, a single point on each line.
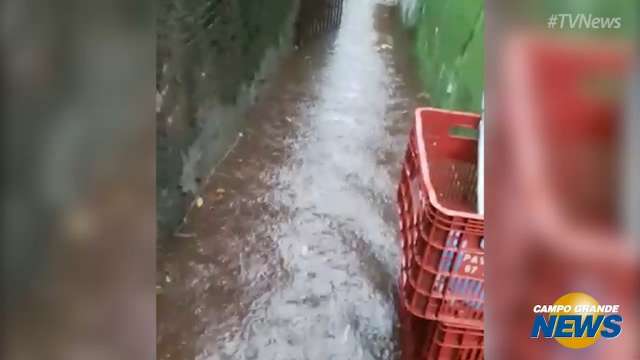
[294, 253]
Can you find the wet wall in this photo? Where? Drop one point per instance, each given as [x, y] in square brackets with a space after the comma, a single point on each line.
[449, 46]
[212, 57]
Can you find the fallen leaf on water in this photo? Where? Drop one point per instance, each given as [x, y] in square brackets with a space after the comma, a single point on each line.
[220, 191]
[345, 334]
[185, 235]
[424, 96]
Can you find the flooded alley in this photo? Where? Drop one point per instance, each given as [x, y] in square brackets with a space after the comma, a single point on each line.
[294, 253]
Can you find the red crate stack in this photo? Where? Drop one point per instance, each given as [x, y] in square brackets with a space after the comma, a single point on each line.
[442, 276]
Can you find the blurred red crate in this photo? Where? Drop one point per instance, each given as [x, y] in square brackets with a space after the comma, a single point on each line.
[563, 119]
[558, 132]
[442, 235]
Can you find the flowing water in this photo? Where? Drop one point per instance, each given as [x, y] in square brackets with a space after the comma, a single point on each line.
[294, 253]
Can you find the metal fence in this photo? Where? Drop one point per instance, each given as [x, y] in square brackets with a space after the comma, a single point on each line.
[317, 17]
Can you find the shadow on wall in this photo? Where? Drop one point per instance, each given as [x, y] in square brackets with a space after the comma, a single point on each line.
[211, 57]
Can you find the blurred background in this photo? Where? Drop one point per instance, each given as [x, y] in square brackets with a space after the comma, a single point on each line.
[78, 161]
[562, 169]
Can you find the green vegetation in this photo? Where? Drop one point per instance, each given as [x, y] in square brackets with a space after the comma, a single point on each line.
[449, 45]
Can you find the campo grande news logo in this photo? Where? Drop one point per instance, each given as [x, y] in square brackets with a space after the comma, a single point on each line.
[576, 321]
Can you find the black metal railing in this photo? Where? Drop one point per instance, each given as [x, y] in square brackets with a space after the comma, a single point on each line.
[317, 17]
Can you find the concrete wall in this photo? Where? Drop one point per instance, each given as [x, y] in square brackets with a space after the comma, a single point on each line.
[212, 57]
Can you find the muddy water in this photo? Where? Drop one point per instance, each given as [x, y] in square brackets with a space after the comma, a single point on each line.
[294, 252]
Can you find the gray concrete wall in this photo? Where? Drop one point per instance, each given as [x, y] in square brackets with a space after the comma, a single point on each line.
[212, 57]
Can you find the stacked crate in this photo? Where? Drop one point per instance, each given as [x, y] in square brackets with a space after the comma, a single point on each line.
[442, 278]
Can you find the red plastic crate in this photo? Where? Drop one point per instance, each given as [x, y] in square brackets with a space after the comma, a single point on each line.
[455, 343]
[415, 333]
[460, 337]
[442, 235]
[467, 312]
[423, 339]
